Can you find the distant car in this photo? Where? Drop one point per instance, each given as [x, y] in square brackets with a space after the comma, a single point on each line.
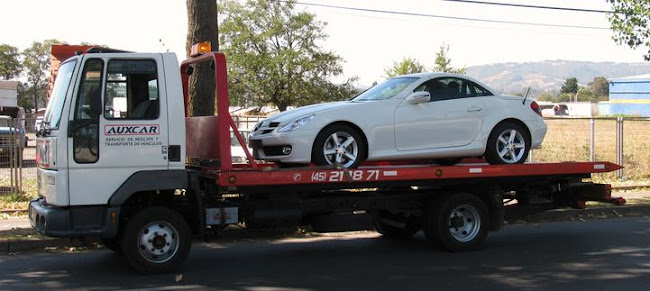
[439, 116]
[554, 109]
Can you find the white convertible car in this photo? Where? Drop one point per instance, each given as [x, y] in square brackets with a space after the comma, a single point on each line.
[438, 116]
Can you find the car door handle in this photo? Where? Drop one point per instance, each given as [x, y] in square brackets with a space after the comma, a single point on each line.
[474, 109]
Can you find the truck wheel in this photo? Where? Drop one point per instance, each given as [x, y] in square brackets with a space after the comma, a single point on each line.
[338, 144]
[509, 143]
[457, 222]
[394, 232]
[156, 240]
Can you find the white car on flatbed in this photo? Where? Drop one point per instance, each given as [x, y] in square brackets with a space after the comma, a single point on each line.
[440, 116]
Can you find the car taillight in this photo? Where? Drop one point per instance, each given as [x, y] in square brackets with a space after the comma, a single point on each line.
[535, 107]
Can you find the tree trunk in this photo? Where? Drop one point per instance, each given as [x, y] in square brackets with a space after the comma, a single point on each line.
[201, 27]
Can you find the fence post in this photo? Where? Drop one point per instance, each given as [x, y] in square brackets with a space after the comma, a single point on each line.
[592, 139]
[619, 146]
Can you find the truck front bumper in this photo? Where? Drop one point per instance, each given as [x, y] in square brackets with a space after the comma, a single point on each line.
[56, 221]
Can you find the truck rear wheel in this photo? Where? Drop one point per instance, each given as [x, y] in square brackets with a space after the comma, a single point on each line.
[156, 240]
[457, 222]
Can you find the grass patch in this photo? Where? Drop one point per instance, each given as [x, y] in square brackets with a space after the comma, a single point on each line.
[14, 200]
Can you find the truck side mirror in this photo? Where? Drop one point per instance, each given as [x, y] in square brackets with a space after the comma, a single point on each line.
[418, 97]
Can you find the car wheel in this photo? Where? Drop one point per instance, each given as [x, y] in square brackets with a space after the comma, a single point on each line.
[508, 143]
[339, 145]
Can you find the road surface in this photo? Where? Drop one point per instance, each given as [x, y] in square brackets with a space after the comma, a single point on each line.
[610, 254]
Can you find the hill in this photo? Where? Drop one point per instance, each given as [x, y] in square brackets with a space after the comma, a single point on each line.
[550, 75]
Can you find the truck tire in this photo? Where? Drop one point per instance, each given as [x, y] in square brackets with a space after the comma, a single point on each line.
[456, 222]
[156, 240]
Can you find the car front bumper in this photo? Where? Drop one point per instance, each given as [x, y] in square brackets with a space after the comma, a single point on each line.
[265, 147]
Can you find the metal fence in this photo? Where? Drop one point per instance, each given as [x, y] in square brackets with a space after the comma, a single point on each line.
[625, 141]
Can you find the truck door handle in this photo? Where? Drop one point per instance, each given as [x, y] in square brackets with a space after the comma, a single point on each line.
[474, 109]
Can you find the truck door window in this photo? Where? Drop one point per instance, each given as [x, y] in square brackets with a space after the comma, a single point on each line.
[131, 90]
[85, 127]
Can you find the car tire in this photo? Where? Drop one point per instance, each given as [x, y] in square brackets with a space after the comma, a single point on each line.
[156, 240]
[456, 222]
[347, 151]
[509, 143]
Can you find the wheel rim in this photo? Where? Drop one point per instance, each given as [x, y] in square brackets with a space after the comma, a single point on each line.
[511, 146]
[341, 148]
[464, 223]
[158, 242]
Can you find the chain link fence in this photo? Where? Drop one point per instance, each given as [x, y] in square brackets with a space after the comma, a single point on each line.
[625, 141]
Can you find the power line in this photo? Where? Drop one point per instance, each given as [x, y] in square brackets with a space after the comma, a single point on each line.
[532, 6]
[441, 16]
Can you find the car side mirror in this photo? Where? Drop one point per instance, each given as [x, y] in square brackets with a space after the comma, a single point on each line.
[419, 97]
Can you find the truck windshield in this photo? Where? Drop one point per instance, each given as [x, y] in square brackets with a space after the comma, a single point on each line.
[387, 89]
[55, 106]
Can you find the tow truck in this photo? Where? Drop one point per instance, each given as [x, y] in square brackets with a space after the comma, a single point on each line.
[118, 158]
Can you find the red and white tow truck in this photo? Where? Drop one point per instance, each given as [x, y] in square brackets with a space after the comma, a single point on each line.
[119, 159]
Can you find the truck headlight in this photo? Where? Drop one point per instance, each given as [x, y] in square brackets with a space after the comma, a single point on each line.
[298, 123]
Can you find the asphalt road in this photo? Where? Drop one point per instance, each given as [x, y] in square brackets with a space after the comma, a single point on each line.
[605, 254]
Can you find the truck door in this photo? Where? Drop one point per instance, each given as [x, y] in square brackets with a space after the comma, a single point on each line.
[118, 125]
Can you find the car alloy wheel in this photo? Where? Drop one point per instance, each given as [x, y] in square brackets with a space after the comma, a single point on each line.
[339, 145]
[511, 146]
[509, 143]
[341, 148]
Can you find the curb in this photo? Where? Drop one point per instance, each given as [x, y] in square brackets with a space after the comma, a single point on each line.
[587, 214]
[11, 247]
[45, 244]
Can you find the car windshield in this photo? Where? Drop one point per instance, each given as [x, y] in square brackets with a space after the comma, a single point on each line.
[55, 106]
[387, 89]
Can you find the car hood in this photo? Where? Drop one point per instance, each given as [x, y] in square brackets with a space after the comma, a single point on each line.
[293, 114]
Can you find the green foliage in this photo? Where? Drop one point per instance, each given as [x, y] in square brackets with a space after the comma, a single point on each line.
[600, 87]
[630, 22]
[406, 66]
[10, 66]
[443, 63]
[274, 55]
[37, 66]
[570, 86]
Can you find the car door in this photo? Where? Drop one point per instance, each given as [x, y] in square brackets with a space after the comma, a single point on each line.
[118, 125]
[452, 117]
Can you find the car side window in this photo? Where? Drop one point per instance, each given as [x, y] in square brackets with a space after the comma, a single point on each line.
[452, 88]
[131, 90]
[472, 89]
[435, 88]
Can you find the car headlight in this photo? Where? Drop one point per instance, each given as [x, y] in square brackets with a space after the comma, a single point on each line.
[300, 122]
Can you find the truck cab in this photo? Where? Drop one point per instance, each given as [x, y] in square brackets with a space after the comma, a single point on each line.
[114, 120]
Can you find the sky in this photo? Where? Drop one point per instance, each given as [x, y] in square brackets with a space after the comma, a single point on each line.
[368, 42]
